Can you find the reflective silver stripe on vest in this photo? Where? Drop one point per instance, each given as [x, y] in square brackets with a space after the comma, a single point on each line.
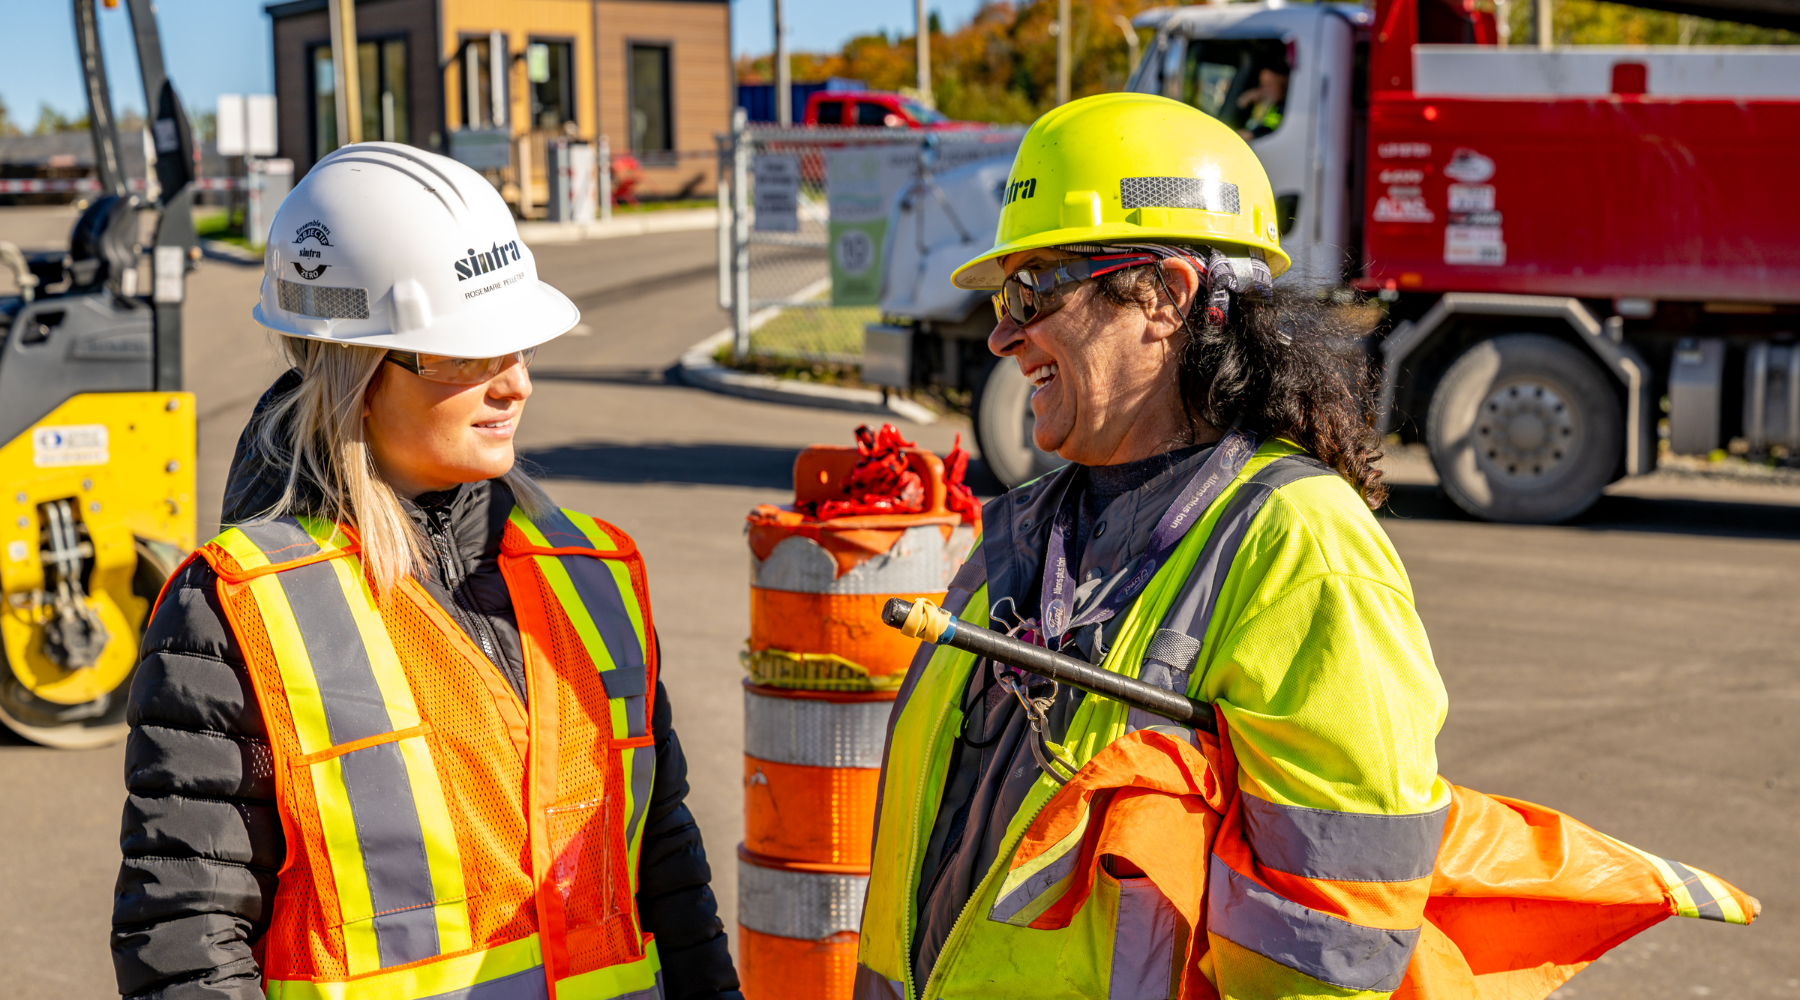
[1193, 608]
[281, 539]
[808, 906]
[380, 791]
[1342, 846]
[527, 985]
[1011, 904]
[813, 732]
[1143, 959]
[1327, 948]
[872, 985]
[599, 591]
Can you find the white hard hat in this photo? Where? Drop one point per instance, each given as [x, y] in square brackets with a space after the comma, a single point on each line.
[387, 245]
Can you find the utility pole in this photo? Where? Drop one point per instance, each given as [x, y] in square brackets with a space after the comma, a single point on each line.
[924, 48]
[1131, 40]
[1062, 51]
[1545, 24]
[784, 87]
[343, 70]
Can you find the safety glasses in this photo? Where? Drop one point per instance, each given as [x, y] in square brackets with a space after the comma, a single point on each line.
[1030, 294]
[458, 371]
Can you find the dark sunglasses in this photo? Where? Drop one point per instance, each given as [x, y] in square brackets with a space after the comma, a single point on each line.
[458, 371]
[1030, 294]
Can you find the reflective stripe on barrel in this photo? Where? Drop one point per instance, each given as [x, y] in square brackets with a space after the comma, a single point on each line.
[812, 767]
[814, 732]
[809, 906]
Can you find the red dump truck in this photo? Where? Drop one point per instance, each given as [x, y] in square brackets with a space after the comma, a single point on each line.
[1589, 255]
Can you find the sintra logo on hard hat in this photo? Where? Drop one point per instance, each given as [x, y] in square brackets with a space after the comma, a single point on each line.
[1020, 189]
[500, 255]
[314, 230]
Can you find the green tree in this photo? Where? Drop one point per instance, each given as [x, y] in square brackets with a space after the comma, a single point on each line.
[51, 121]
[1596, 22]
[1000, 67]
[7, 125]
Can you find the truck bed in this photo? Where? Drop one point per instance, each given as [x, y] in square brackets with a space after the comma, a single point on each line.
[1673, 198]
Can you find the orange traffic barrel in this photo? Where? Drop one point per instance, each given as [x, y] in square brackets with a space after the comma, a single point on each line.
[797, 930]
[811, 763]
[818, 586]
[823, 675]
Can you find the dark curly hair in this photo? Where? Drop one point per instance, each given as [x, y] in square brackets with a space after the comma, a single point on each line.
[1290, 366]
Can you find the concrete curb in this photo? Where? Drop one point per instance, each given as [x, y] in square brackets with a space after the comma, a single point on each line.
[633, 224]
[698, 369]
[220, 250]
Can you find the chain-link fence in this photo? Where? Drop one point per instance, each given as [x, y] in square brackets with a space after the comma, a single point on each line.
[803, 215]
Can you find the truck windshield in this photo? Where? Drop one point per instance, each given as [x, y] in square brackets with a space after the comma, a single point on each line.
[1240, 81]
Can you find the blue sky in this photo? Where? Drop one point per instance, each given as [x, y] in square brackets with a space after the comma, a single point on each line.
[215, 47]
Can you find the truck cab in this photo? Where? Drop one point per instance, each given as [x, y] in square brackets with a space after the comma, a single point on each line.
[1284, 77]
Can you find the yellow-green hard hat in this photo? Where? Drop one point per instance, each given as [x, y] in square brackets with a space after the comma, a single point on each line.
[1134, 168]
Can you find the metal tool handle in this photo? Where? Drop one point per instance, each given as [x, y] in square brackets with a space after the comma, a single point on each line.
[925, 620]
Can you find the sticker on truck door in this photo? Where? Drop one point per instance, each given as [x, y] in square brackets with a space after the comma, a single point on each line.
[1471, 197]
[1483, 245]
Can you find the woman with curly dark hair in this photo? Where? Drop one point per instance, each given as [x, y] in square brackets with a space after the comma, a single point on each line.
[1212, 534]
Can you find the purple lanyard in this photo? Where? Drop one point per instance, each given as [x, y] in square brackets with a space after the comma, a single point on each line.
[1057, 593]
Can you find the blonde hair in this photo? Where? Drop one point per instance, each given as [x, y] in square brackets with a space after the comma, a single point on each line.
[320, 426]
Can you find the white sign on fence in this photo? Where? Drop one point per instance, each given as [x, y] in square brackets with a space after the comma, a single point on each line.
[777, 180]
[860, 183]
[245, 125]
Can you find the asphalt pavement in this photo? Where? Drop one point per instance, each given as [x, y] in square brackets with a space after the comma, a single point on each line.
[1636, 669]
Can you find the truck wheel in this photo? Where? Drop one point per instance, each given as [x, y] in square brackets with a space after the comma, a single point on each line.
[1003, 424]
[97, 723]
[1525, 428]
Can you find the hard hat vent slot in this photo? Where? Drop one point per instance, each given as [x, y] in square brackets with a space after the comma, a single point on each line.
[1178, 192]
[326, 303]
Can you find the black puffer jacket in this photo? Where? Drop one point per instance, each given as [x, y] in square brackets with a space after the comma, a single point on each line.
[201, 838]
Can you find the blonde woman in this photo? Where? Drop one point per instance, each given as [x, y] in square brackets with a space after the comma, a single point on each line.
[399, 734]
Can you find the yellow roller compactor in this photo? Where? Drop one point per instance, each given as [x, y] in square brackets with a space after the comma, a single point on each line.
[97, 440]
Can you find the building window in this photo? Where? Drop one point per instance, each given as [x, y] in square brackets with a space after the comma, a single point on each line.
[652, 130]
[477, 97]
[550, 66]
[381, 87]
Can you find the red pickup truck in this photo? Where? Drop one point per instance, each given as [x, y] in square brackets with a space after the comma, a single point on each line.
[877, 109]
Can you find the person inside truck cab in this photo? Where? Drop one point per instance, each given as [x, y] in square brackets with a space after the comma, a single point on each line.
[1264, 102]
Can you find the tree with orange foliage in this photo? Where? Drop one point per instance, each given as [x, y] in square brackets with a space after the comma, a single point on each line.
[1000, 67]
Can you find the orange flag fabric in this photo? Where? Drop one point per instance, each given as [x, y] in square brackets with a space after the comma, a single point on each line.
[1522, 897]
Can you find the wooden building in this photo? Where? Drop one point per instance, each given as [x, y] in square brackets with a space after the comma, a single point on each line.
[652, 76]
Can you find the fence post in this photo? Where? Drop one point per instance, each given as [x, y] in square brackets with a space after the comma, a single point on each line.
[603, 158]
[740, 233]
[722, 192]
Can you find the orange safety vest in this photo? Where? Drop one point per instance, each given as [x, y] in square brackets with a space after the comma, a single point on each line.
[1521, 897]
[443, 838]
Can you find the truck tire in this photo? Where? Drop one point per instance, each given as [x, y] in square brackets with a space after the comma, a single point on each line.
[1003, 423]
[1526, 429]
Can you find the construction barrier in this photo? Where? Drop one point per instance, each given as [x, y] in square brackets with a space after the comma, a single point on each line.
[824, 673]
